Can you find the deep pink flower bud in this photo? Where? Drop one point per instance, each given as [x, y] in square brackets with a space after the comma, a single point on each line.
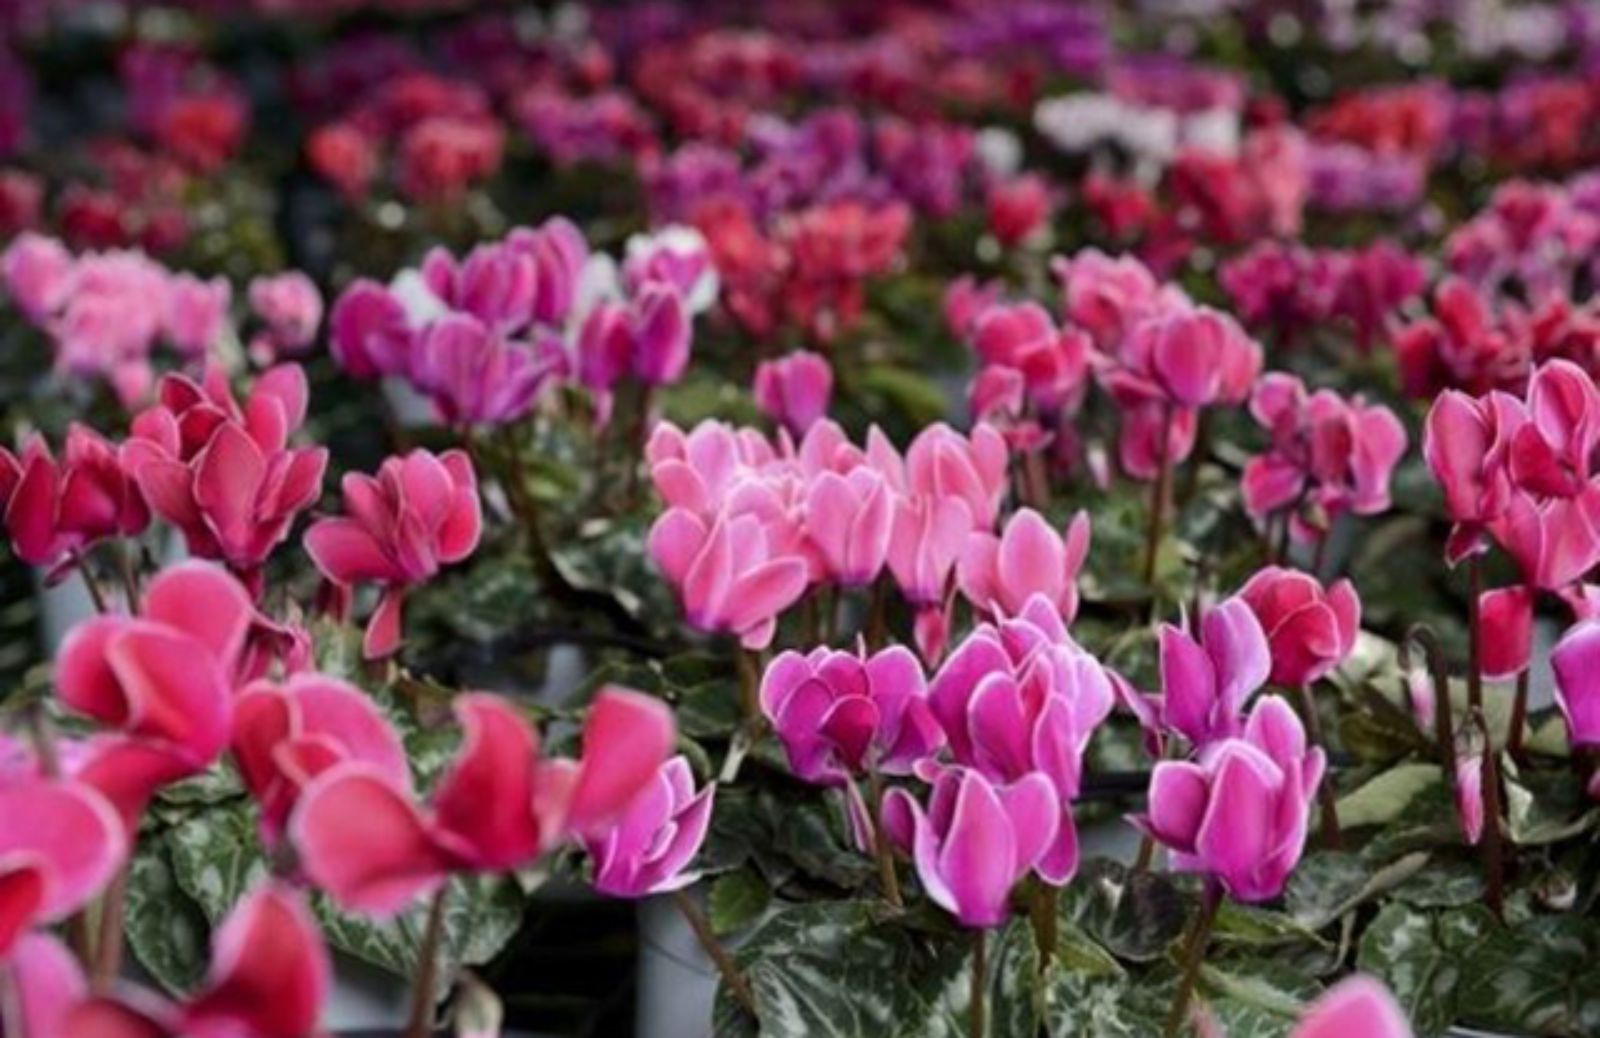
[420, 512]
[1239, 813]
[1310, 630]
[838, 713]
[976, 840]
[646, 850]
[1205, 681]
[794, 391]
[1195, 357]
[197, 313]
[1000, 574]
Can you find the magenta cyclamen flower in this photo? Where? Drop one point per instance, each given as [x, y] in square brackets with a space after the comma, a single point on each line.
[1359, 1006]
[1328, 455]
[1576, 662]
[1000, 574]
[60, 844]
[474, 375]
[794, 390]
[1205, 681]
[976, 840]
[1239, 812]
[1020, 697]
[420, 512]
[838, 713]
[1310, 629]
[52, 507]
[646, 850]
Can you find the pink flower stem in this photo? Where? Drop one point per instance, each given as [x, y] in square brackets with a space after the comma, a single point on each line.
[1327, 797]
[422, 986]
[1492, 865]
[880, 839]
[977, 1024]
[732, 976]
[1194, 951]
[1159, 492]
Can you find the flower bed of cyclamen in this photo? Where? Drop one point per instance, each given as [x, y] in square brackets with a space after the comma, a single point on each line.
[1077, 519]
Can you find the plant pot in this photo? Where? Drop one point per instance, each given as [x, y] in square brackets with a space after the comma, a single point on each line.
[677, 982]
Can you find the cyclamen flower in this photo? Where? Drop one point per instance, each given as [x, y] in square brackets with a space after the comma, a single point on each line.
[1356, 1006]
[290, 309]
[727, 574]
[1018, 208]
[270, 974]
[1000, 574]
[1239, 813]
[849, 519]
[363, 838]
[1467, 444]
[1053, 363]
[839, 713]
[1206, 680]
[420, 512]
[473, 375]
[976, 840]
[1309, 630]
[284, 736]
[51, 508]
[646, 850]
[1020, 697]
[794, 390]
[60, 844]
[1576, 663]
[224, 475]
[1328, 454]
[677, 256]
[197, 313]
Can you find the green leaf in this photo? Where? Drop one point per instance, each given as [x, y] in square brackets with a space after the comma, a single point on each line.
[166, 931]
[1084, 1006]
[1136, 915]
[1385, 797]
[1424, 957]
[1323, 884]
[737, 899]
[1252, 927]
[1536, 979]
[919, 399]
[1259, 998]
[812, 835]
[216, 857]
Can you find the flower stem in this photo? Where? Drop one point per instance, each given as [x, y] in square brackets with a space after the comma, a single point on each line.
[130, 576]
[108, 948]
[1519, 718]
[1158, 501]
[878, 617]
[1194, 951]
[1042, 909]
[96, 594]
[732, 976]
[427, 974]
[1327, 797]
[1492, 865]
[978, 1025]
[880, 839]
[748, 733]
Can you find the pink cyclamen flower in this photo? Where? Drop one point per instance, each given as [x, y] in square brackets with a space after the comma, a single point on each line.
[1239, 813]
[269, 977]
[1105, 295]
[976, 840]
[364, 839]
[794, 390]
[1021, 697]
[60, 844]
[849, 519]
[474, 375]
[48, 983]
[942, 463]
[1576, 662]
[1328, 454]
[1468, 788]
[37, 274]
[290, 308]
[52, 507]
[1018, 208]
[838, 713]
[1358, 1007]
[286, 735]
[224, 475]
[420, 512]
[1189, 357]
[1000, 574]
[1467, 444]
[1205, 681]
[369, 332]
[1310, 630]
[646, 850]
[727, 575]
[1552, 453]
[197, 313]
[163, 679]
[1053, 362]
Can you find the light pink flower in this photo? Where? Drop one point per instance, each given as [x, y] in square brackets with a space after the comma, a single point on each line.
[197, 313]
[646, 850]
[1359, 1006]
[1000, 574]
[727, 574]
[794, 390]
[290, 308]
